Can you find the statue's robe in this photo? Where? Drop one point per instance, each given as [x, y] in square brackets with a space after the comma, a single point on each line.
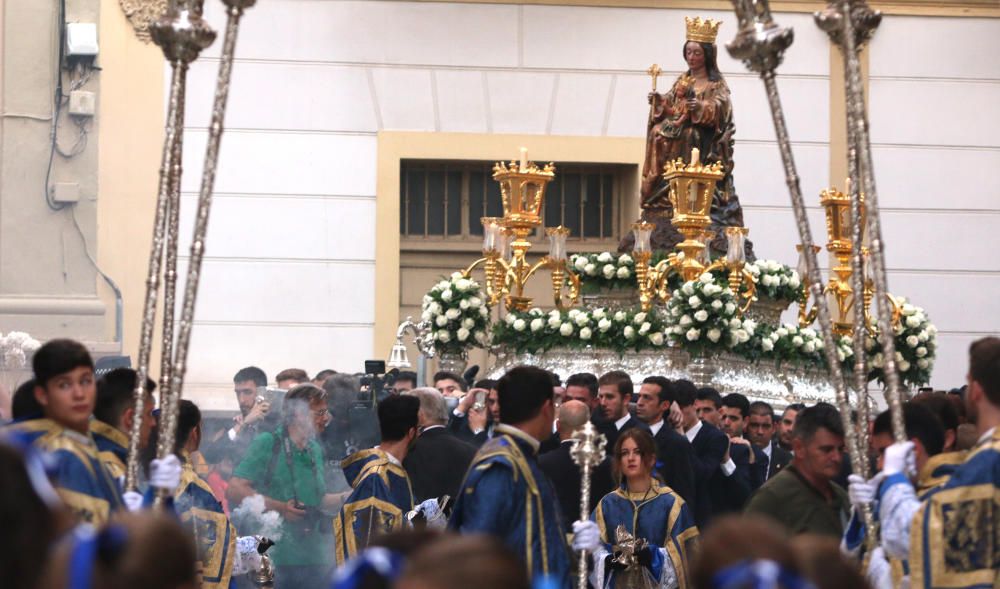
[662, 519]
[80, 477]
[955, 534]
[505, 494]
[377, 505]
[214, 535]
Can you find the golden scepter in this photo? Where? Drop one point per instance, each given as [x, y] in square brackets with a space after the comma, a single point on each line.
[587, 452]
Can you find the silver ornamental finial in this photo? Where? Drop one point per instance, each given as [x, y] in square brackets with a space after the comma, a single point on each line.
[588, 446]
[760, 43]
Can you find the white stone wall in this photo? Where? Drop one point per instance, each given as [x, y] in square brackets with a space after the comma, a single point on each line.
[290, 263]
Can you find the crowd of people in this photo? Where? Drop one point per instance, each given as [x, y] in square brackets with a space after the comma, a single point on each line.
[348, 481]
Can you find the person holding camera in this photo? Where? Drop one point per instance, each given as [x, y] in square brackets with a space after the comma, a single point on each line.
[255, 415]
[382, 494]
[286, 468]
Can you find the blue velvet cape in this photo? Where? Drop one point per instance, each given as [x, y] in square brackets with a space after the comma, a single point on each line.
[214, 536]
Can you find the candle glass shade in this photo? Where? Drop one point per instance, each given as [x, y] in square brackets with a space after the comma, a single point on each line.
[643, 232]
[557, 243]
[491, 233]
[736, 237]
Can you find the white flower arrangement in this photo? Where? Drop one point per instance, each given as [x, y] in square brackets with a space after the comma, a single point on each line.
[603, 270]
[916, 347]
[775, 280]
[793, 344]
[537, 331]
[701, 317]
[456, 310]
[15, 349]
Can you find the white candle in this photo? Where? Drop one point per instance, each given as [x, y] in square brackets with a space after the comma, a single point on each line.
[524, 159]
[695, 156]
[847, 187]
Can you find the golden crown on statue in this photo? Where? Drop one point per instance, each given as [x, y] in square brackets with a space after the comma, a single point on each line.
[702, 31]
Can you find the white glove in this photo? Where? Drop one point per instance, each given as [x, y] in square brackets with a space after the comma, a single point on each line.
[433, 514]
[586, 535]
[248, 559]
[879, 572]
[133, 501]
[862, 492]
[899, 457]
[165, 473]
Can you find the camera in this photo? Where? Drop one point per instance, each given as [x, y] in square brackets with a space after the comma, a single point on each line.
[375, 384]
[314, 520]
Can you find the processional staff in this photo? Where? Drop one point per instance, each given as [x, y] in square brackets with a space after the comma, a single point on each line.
[587, 452]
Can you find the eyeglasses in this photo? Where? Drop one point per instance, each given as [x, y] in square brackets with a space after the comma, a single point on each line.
[321, 414]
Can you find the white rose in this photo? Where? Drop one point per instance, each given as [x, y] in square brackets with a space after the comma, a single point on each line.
[688, 288]
[453, 314]
[714, 335]
[819, 344]
[730, 308]
[701, 315]
[693, 334]
[463, 304]
[716, 304]
[840, 355]
[480, 336]
[443, 336]
[921, 352]
[912, 341]
[913, 321]
[923, 363]
[620, 316]
[904, 366]
[694, 302]
[624, 259]
[463, 334]
[629, 332]
[675, 311]
[456, 275]
[427, 300]
[623, 272]
[537, 323]
[554, 322]
[441, 321]
[520, 325]
[706, 278]
[794, 281]
[808, 332]
[797, 341]
[899, 356]
[468, 323]
[781, 331]
[677, 329]
[735, 323]
[536, 312]
[741, 336]
[590, 269]
[656, 338]
[639, 318]
[767, 344]
[580, 262]
[931, 329]
[809, 347]
[909, 309]
[426, 316]
[446, 294]
[598, 313]
[484, 312]
[585, 333]
[434, 308]
[608, 270]
[712, 289]
[923, 336]
[445, 284]
[573, 313]
[605, 257]
[604, 325]
[463, 284]
[582, 319]
[509, 318]
[644, 328]
[685, 320]
[767, 280]
[566, 328]
[475, 302]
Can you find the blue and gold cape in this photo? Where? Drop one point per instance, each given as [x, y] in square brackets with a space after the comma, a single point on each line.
[658, 516]
[955, 536]
[380, 498]
[214, 535]
[81, 479]
[505, 494]
[112, 447]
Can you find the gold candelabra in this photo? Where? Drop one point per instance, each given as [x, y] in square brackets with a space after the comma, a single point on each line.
[505, 239]
[691, 189]
[839, 225]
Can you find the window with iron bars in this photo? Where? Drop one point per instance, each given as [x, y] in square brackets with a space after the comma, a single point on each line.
[440, 199]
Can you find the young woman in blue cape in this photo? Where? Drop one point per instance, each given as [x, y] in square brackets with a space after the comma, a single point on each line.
[647, 510]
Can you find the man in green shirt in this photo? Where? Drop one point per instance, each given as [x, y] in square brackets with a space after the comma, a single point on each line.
[286, 468]
[803, 497]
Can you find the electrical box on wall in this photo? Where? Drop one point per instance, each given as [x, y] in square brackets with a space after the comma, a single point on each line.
[81, 39]
[82, 103]
[66, 192]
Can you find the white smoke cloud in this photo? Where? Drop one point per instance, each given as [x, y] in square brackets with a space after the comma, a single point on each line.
[254, 517]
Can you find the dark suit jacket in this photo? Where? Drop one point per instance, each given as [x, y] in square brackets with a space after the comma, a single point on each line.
[459, 427]
[564, 474]
[675, 462]
[709, 447]
[436, 464]
[549, 444]
[779, 459]
[612, 434]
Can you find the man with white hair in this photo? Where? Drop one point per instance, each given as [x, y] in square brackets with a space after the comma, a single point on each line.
[438, 460]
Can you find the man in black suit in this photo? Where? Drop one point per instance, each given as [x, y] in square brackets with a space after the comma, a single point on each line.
[564, 474]
[760, 430]
[673, 451]
[614, 393]
[582, 387]
[735, 412]
[437, 462]
[711, 449]
[472, 424]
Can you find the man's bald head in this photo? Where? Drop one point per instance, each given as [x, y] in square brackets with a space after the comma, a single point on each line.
[572, 415]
